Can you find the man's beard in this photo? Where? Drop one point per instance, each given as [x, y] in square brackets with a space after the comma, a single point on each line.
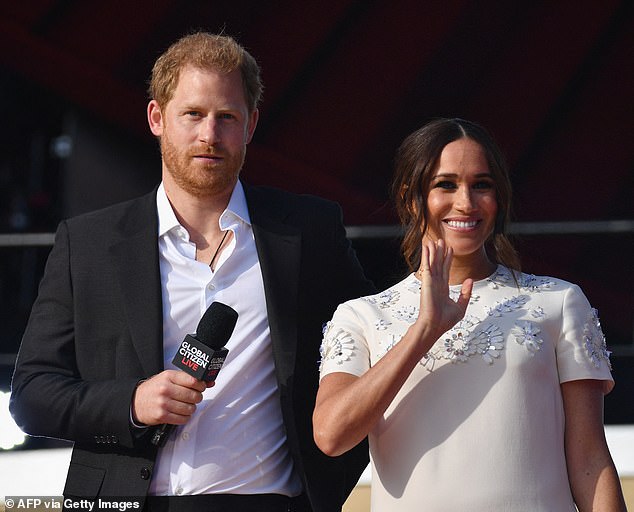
[197, 178]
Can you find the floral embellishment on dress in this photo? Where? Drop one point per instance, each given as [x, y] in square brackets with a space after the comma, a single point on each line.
[507, 306]
[392, 340]
[490, 343]
[413, 286]
[528, 334]
[380, 324]
[408, 314]
[462, 342]
[385, 299]
[454, 294]
[458, 345]
[428, 361]
[537, 312]
[534, 283]
[499, 278]
[594, 340]
[337, 345]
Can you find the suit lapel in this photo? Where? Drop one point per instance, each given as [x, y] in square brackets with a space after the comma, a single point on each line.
[135, 256]
[279, 251]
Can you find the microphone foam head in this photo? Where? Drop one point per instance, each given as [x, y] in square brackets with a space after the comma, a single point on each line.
[216, 325]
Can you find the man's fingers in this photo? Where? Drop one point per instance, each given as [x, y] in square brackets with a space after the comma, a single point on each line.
[185, 380]
[168, 397]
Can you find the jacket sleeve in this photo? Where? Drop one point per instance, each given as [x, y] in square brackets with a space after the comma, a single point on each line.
[51, 395]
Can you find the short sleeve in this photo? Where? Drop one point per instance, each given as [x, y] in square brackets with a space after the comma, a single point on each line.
[581, 350]
[344, 347]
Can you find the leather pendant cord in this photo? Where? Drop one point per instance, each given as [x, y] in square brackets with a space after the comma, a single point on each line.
[218, 249]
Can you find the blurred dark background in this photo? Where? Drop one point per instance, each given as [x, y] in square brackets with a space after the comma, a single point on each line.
[345, 82]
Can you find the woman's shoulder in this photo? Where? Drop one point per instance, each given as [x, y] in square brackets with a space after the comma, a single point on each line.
[544, 290]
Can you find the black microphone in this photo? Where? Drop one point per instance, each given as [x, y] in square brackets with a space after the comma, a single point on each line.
[203, 354]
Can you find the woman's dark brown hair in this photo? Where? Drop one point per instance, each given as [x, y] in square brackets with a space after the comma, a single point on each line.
[416, 162]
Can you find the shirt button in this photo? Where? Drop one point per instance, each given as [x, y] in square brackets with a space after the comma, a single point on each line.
[211, 287]
[179, 490]
[145, 473]
[185, 436]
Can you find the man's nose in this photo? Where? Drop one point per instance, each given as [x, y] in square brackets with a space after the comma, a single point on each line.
[210, 131]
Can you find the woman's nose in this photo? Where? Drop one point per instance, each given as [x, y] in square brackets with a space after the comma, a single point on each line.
[464, 200]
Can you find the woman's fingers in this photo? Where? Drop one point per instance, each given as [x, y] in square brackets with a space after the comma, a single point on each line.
[425, 259]
[436, 257]
[465, 293]
[447, 264]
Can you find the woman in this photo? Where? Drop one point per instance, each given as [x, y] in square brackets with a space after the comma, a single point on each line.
[480, 387]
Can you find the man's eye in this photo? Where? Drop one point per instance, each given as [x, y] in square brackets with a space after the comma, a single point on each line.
[193, 113]
[226, 116]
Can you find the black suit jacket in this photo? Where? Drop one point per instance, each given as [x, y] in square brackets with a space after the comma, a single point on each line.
[96, 329]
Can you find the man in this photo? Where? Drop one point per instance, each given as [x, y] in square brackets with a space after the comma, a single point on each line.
[124, 285]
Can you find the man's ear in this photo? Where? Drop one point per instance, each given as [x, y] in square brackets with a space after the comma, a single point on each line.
[253, 122]
[155, 118]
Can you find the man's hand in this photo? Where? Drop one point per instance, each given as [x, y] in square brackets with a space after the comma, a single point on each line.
[168, 397]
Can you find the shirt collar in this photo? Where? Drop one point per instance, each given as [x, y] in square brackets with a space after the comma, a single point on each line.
[236, 209]
[166, 217]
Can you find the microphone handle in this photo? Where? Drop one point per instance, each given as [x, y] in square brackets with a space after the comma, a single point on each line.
[161, 434]
[217, 358]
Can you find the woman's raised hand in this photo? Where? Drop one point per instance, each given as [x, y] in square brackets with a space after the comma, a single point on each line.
[437, 310]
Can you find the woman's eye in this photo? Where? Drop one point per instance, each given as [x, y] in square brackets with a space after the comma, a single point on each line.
[483, 185]
[445, 184]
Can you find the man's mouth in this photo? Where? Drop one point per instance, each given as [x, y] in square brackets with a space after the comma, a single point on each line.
[211, 157]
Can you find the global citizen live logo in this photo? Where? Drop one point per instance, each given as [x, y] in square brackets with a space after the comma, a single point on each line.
[198, 359]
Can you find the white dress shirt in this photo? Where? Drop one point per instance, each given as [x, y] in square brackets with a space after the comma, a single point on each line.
[235, 442]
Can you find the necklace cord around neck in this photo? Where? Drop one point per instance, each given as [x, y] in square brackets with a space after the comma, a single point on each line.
[213, 258]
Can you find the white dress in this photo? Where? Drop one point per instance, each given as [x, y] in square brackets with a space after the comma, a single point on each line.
[478, 426]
